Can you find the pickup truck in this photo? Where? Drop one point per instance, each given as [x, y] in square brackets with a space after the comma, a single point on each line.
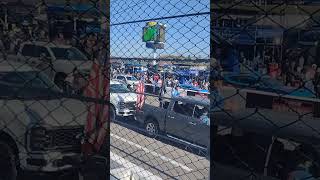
[39, 129]
[182, 118]
[65, 61]
[123, 102]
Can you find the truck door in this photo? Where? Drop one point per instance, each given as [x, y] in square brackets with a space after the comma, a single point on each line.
[201, 125]
[179, 120]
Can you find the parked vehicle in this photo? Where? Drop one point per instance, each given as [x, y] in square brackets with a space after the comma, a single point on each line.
[123, 101]
[186, 119]
[59, 62]
[38, 129]
[128, 80]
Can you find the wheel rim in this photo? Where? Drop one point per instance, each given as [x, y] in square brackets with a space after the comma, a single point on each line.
[151, 129]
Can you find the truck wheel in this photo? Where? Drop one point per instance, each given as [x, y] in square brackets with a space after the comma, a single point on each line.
[152, 128]
[112, 113]
[8, 164]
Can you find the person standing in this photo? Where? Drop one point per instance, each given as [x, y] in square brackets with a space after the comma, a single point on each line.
[59, 39]
[175, 92]
[317, 82]
[140, 95]
[301, 61]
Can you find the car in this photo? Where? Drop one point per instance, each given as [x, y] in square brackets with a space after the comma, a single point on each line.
[59, 62]
[123, 101]
[185, 119]
[38, 129]
[128, 80]
[264, 83]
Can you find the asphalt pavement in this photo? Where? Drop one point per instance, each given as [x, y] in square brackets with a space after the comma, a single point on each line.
[137, 155]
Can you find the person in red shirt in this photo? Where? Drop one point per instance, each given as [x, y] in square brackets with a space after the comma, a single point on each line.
[195, 83]
[156, 77]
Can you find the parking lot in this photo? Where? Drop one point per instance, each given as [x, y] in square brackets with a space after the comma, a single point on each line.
[157, 158]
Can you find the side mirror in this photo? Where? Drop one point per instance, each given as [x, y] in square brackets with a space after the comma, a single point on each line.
[45, 58]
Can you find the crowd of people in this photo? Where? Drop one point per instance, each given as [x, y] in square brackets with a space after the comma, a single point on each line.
[162, 80]
[296, 70]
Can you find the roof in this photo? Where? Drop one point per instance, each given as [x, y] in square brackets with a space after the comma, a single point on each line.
[115, 82]
[193, 100]
[15, 66]
[125, 75]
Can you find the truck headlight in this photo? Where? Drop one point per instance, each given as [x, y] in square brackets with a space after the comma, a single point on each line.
[39, 139]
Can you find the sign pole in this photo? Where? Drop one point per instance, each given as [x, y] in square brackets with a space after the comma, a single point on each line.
[154, 53]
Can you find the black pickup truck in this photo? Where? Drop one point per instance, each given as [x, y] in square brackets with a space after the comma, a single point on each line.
[184, 118]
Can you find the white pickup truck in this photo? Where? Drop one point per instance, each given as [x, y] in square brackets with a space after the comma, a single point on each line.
[122, 100]
[38, 129]
[64, 60]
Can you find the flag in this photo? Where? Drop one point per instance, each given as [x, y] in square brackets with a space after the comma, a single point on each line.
[140, 95]
[96, 124]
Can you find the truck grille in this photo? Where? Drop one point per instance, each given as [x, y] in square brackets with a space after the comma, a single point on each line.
[66, 138]
[128, 105]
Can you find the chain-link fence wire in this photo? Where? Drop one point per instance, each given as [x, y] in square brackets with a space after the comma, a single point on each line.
[156, 135]
[265, 85]
[49, 51]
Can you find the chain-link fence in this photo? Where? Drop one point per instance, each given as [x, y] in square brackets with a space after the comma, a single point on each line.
[159, 89]
[54, 78]
[265, 93]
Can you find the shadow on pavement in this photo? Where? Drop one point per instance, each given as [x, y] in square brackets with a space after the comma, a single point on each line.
[130, 123]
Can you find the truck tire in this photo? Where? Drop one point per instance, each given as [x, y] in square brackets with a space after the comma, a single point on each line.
[8, 163]
[152, 128]
[113, 113]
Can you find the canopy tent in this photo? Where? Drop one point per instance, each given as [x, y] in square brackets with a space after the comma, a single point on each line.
[83, 18]
[79, 8]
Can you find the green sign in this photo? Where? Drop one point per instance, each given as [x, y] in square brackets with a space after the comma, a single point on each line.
[149, 33]
[154, 32]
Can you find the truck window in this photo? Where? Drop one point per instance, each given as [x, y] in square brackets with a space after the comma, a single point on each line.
[165, 104]
[120, 77]
[28, 50]
[34, 51]
[201, 113]
[44, 50]
[183, 108]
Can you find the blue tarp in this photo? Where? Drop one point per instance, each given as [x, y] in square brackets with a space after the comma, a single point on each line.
[191, 87]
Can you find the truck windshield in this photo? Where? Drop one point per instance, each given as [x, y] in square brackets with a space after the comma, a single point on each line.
[119, 88]
[72, 54]
[26, 84]
[131, 78]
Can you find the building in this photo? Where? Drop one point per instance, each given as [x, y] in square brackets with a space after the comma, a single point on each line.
[253, 33]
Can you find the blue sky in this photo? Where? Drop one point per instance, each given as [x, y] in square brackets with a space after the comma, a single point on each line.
[185, 36]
